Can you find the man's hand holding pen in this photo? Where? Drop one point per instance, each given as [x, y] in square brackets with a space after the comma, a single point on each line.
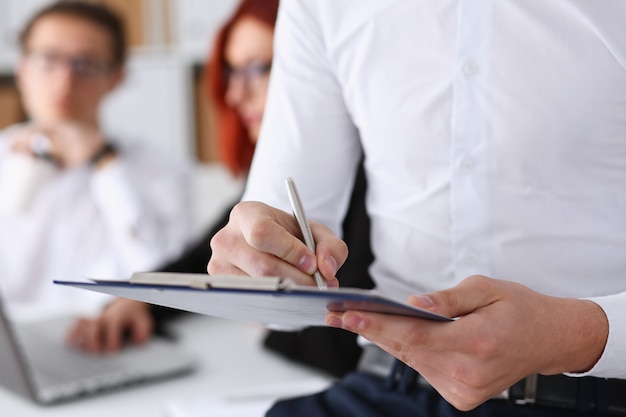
[260, 240]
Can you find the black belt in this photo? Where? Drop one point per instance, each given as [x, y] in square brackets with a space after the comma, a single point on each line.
[584, 394]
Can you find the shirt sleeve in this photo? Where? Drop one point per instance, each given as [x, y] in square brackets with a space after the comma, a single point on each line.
[143, 200]
[611, 364]
[307, 132]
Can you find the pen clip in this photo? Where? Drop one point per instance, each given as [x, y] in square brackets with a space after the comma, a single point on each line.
[298, 212]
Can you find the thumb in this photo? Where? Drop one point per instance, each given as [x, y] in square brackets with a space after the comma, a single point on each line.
[469, 295]
[331, 251]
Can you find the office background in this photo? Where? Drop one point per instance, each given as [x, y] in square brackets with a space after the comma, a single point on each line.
[162, 99]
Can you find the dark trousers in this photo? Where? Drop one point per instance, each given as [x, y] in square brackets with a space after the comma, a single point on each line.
[363, 395]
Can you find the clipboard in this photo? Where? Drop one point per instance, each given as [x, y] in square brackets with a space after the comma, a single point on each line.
[266, 300]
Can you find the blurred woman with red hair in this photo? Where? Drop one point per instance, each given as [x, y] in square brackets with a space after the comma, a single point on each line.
[237, 74]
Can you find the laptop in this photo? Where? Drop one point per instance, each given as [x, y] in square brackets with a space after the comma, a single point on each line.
[36, 363]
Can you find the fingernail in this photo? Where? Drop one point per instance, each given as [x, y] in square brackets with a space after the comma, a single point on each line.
[332, 263]
[424, 301]
[307, 264]
[333, 283]
[334, 321]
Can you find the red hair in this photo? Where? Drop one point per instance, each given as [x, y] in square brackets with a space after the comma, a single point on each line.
[235, 148]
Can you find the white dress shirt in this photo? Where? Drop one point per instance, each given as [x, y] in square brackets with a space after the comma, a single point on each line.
[494, 135]
[129, 216]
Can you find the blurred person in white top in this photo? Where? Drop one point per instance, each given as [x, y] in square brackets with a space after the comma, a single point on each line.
[108, 208]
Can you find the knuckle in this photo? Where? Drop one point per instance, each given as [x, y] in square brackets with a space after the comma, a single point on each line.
[291, 253]
[449, 299]
[471, 379]
[213, 267]
[486, 347]
[244, 210]
[239, 209]
[258, 234]
[220, 240]
[481, 282]
[462, 376]
[263, 267]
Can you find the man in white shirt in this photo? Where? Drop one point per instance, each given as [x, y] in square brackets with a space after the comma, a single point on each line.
[107, 208]
[494, 136]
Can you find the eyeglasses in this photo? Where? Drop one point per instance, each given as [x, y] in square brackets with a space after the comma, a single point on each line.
[81, 66]
[253, 76]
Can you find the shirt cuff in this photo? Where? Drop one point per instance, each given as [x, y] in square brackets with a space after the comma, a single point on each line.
[611, 364]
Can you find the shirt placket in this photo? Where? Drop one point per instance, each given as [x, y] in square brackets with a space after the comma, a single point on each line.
[468, 140]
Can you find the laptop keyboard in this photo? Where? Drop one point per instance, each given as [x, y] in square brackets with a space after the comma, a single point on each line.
[53, 362]
[57, 372]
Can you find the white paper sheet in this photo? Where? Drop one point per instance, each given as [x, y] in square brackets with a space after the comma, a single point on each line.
[249, 402]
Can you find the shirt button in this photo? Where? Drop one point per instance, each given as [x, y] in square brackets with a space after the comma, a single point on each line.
[470, 256]
[468, 164]
[470, 68]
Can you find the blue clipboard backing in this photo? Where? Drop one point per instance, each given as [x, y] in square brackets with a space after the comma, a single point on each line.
[298, 306]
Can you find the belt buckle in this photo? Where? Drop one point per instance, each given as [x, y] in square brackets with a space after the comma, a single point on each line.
[530, 391]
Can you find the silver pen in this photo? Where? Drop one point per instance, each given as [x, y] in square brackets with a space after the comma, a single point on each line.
[305, 227]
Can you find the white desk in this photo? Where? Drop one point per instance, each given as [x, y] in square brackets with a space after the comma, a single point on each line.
[231, 359]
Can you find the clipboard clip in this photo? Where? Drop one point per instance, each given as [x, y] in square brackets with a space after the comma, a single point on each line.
[206, 282]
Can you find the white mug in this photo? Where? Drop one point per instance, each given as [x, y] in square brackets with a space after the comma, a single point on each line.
[20, 178]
